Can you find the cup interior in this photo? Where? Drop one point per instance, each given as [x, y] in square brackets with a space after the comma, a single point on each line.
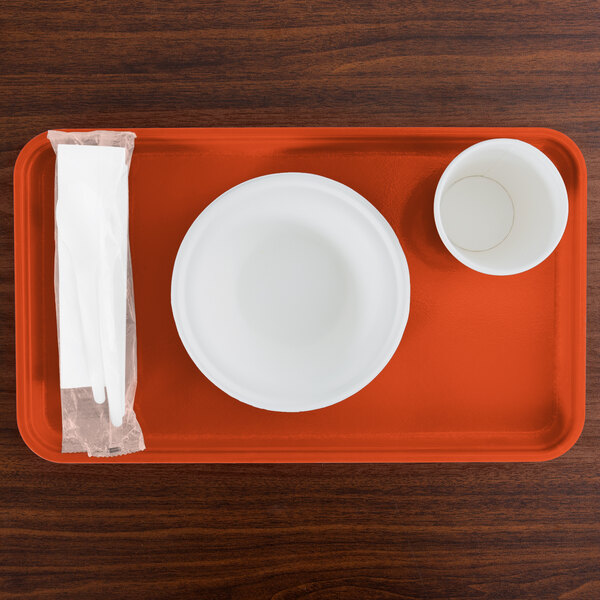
[501, 206]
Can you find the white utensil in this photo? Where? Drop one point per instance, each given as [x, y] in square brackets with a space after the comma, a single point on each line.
[113, 290]
[78, 219]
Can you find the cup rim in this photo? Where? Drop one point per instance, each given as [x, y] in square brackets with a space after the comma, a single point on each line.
[455, 250]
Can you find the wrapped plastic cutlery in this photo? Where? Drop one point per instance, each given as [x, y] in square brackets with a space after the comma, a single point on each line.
[94, 292]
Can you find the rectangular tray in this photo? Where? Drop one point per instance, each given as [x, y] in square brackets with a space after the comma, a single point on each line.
[489, 368]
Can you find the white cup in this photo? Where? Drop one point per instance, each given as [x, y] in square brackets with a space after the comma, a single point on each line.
[501, 207]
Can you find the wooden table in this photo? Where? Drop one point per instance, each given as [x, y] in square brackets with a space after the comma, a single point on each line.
[292, 532]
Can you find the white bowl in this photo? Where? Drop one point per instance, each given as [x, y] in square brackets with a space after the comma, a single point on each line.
[290, 292]
[501, 207]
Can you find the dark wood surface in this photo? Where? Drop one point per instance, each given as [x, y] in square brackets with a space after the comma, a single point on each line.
[292, 532]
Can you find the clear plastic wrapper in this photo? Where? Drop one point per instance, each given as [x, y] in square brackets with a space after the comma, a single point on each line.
[94, 293]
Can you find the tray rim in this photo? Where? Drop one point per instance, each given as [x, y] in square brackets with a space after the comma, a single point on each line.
[36, 443]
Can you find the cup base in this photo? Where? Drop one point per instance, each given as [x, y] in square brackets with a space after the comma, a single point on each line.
[477, 213]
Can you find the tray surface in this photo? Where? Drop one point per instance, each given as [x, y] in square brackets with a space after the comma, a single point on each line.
[489, 368]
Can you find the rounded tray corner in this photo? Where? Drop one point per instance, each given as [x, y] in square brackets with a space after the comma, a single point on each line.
[567, 144]
[565, 442]
[30, 149]
[34, 443]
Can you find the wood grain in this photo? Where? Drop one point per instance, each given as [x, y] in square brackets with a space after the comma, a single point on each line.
[292, 532]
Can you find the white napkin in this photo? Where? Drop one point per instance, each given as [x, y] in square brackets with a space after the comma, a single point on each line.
[92, 228]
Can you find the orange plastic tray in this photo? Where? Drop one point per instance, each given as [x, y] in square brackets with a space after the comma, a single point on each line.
[489, 369]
